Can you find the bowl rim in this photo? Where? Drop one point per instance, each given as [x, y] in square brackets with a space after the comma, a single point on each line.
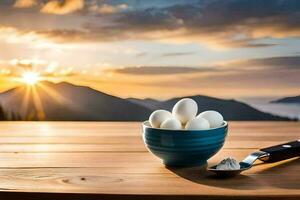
[144, 123]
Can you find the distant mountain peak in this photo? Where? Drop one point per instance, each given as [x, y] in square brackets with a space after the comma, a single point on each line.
[293, 99]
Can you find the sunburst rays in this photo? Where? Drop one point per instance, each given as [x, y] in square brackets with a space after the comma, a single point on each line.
[33, 97]
[40, 113]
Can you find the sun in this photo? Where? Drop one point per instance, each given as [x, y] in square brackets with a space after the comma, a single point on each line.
[30, 78]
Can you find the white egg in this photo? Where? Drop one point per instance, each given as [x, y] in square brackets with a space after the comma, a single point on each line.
[171, 123]
[158, 116]
[214, 118]
[185, 110]
[197, 124]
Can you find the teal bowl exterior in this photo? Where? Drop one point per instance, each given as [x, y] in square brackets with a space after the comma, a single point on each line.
[184, 147]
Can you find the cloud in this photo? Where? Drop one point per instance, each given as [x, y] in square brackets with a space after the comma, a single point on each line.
[16, 67]
[141, 54]
[239, 68]
[14, 36]
[24, 3]
[245, 78]
[269, 63]
[175, 54]
[108, 9]
[148, 70]
[62, 7]
[217, 24]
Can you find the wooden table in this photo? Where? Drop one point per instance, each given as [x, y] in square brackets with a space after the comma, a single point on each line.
[107, 160]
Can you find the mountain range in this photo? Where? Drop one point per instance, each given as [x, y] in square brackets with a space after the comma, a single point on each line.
[295, 99]
[230, 109]
[67, 102]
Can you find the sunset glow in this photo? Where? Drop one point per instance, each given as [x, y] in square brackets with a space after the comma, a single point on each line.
[30, 78]
[157, 49]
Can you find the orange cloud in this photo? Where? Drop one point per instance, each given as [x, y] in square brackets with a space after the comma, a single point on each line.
[158, 71]
[172, 30]
[109, 9]
[62, 7]
[216, 24]
[24, 3]
[13, 35]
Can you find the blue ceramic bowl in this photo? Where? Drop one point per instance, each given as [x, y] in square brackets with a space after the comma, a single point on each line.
[184, 147]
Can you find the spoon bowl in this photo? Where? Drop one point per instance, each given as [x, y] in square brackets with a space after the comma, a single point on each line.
[229, 172]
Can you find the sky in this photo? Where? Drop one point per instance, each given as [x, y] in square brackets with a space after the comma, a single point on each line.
[158, 48]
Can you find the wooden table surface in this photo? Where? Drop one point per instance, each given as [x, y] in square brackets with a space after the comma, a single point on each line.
[108, 160]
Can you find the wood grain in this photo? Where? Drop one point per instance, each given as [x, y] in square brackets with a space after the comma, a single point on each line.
[107, 160]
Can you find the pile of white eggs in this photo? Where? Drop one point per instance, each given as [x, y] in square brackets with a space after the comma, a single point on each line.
[184, 116]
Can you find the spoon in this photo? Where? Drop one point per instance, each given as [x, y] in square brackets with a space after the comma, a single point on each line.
[270, 154]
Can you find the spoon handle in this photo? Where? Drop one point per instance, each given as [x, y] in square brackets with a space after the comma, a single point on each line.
[282, 151]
